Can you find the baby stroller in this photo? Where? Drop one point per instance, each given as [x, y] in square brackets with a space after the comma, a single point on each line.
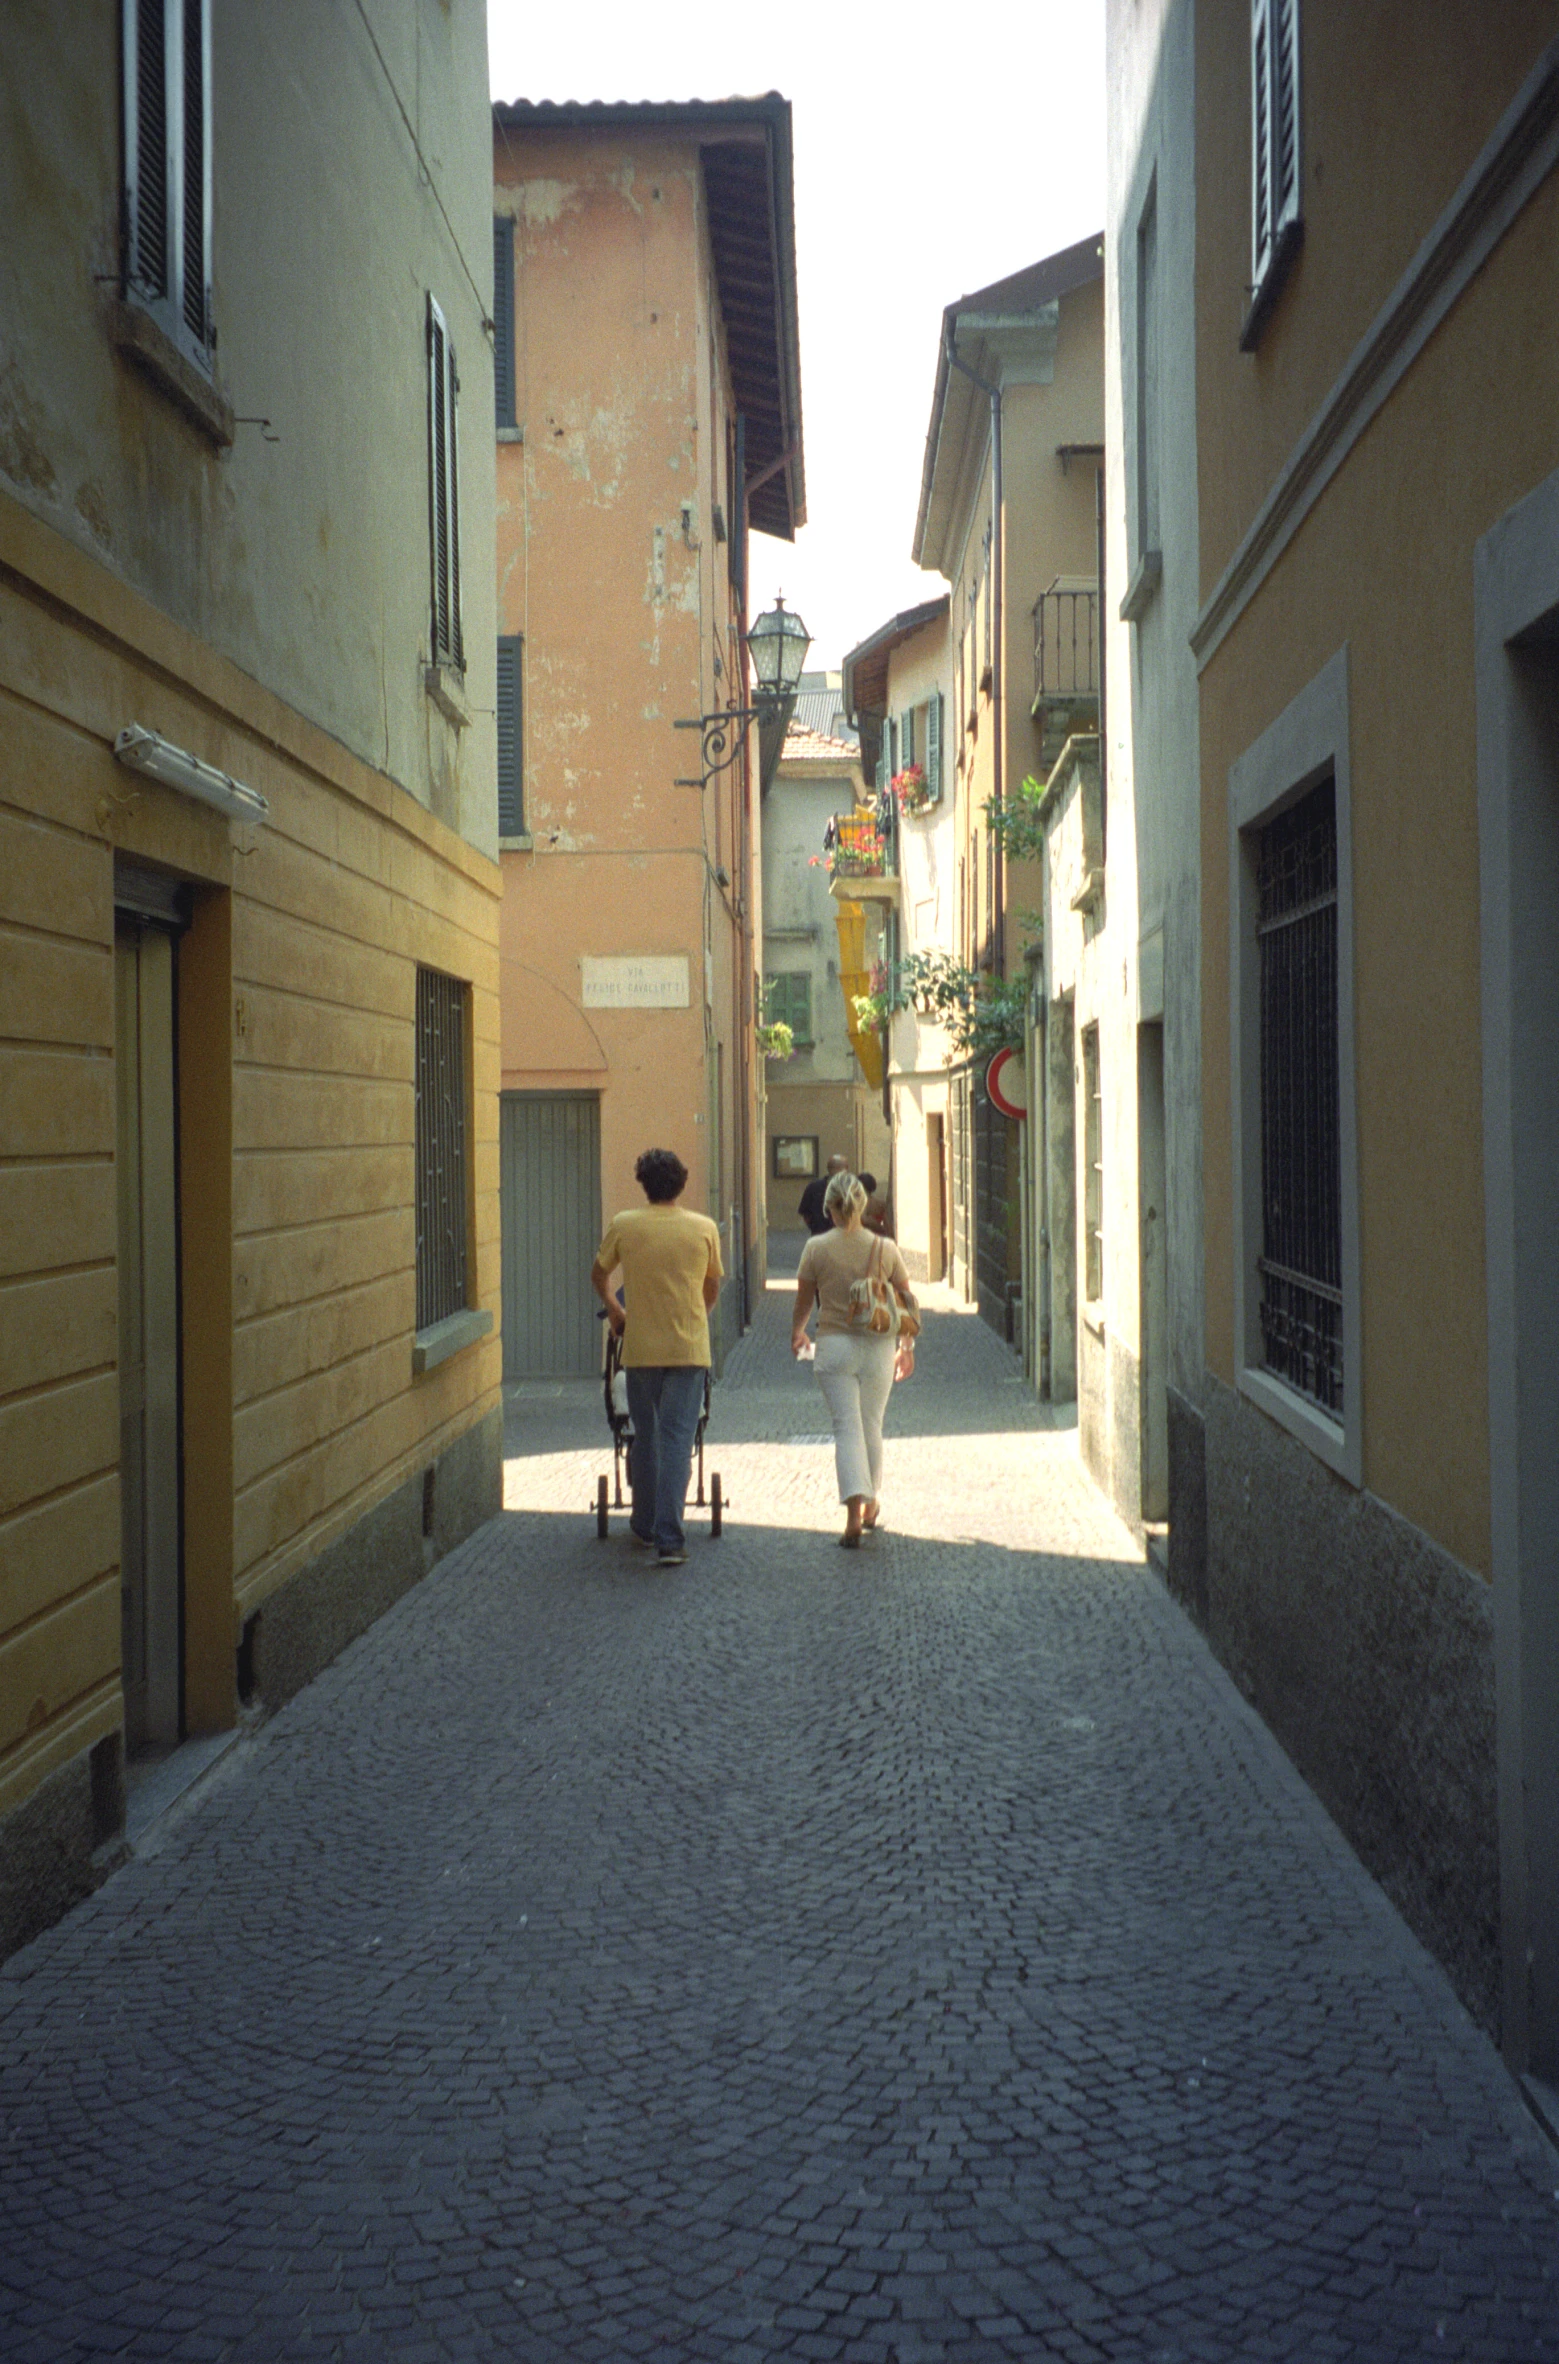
[615, 1390]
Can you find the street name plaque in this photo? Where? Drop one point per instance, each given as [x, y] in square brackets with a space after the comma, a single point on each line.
[635, 981]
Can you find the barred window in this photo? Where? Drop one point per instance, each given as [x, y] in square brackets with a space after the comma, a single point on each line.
[441, 1146]
[166, 47]
[1300, 1263]
[1093, 1169]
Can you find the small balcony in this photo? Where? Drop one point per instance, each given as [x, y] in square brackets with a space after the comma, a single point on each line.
[1066, 664]
[1066, 645]
[863, 853]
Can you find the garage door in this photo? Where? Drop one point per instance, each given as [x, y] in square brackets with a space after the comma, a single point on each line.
[550, 1180]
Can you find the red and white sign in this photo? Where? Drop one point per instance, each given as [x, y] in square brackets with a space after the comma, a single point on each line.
[1007, 1084]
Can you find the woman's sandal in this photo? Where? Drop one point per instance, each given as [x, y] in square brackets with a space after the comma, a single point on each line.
[850, 1542]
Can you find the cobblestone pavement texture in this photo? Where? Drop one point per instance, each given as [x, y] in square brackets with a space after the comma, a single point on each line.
[915, 1954]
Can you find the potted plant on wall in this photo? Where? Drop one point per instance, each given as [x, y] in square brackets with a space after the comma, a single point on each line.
[912, 790]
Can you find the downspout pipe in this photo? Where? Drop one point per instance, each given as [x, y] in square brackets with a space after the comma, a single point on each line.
[998, 621]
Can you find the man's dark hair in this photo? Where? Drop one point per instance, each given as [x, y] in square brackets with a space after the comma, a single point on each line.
[661, 1175]
[868, 1183]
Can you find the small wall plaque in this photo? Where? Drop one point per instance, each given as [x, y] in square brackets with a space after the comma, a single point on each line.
[635, 981]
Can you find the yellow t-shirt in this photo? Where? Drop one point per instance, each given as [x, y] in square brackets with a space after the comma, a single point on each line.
[665, 1253]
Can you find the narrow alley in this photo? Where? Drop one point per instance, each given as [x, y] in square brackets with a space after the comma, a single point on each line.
[920, 1955]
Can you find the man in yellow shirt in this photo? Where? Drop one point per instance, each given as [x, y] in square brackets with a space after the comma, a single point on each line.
[670, 1263]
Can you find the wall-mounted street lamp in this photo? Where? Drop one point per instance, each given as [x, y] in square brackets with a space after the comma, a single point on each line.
[778, 644]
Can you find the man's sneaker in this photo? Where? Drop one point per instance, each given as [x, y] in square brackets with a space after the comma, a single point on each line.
[673, 1559]
[641, 1542]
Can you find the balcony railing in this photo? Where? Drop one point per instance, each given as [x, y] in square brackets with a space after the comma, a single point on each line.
[1066, 644]
[863, 848]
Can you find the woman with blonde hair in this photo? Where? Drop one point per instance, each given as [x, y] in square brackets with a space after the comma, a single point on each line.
[855, 1364]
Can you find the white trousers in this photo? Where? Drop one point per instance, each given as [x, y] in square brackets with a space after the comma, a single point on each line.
[856, 1376]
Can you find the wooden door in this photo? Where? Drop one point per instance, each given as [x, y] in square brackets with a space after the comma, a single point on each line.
[146, 1174]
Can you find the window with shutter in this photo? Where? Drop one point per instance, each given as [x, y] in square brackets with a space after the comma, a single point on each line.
[511, 737]
[907, 738]
[934, 747]
[166, 47]
[444, 491]
[503, 321]
[787, 1000]
[1276, 227]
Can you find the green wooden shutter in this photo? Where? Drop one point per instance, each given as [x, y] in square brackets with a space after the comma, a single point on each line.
[907, 738]
[511, 739]
[787, 1001]
[934, 745]
[503, 321]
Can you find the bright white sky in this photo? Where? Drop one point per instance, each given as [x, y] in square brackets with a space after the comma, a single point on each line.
[935, 150]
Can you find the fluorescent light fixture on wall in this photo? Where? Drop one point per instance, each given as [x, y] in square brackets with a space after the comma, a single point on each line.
[145, 751]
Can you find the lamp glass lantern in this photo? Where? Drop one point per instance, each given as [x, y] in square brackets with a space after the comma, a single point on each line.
[779, 642]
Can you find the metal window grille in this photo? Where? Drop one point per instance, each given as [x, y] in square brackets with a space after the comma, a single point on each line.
[1301, 1156]
[1093, 1169]
[441, 1147]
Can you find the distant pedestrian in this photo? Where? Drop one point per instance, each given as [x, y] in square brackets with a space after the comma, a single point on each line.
[811, 1209]
[671, 1271]
[855, 1365]
[875, 1217]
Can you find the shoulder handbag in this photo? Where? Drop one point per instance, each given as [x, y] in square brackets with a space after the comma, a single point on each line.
[877, 1304]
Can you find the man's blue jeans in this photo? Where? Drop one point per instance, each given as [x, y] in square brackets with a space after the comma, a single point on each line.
[664, 1401]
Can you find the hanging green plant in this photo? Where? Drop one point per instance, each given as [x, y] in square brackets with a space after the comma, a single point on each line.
[982, 1014]
[775, 1040]
[1015, 823]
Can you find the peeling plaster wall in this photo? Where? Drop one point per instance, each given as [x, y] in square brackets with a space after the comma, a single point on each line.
[609, 567]
[288, 556]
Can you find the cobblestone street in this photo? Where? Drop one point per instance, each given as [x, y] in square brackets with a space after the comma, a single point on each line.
[911, 1955]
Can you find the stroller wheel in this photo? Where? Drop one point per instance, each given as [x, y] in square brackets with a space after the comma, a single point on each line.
[716, 1505]
[600, 1508]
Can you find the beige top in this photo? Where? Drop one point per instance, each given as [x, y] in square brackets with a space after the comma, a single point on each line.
[666, 1252]
[833, 1262]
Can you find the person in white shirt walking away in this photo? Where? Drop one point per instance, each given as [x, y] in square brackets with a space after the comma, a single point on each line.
[856, 1365]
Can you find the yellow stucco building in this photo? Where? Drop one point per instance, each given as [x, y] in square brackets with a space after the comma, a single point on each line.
[650, 418]
[1376, 272]
[248, 872]
[1009, 515]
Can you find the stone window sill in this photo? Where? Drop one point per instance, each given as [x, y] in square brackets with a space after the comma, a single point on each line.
[1263, 302]
[451, 1336]
[136, 336]
[1142, 587]
[511, 434]
[1093, 1321]
[446, 686]
[522, 844]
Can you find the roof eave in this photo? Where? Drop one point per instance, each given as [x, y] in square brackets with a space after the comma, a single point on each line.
[713, 124]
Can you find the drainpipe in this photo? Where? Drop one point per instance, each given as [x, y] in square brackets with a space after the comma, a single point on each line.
[999, 763]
